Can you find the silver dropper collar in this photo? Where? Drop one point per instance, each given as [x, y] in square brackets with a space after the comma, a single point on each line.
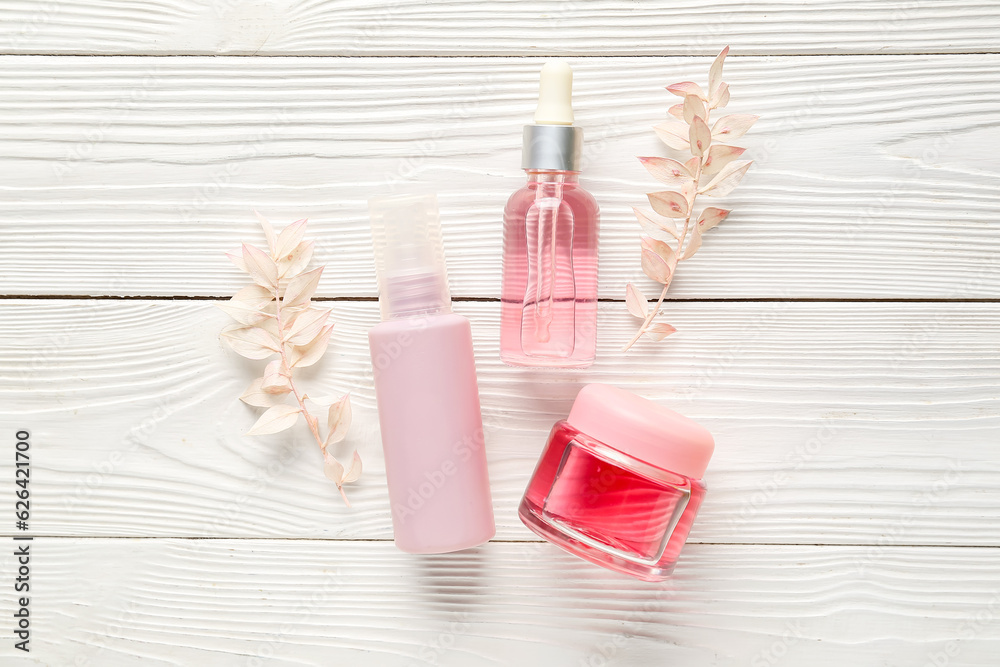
[556, 147]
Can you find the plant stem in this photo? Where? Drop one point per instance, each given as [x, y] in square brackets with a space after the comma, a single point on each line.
[310, 420]
[649, 317]
[680, 247]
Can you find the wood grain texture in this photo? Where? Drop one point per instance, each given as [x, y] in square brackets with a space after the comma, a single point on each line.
[855, 490]
[511, 27]
[134, 175]
[835, 423]
[256, 602]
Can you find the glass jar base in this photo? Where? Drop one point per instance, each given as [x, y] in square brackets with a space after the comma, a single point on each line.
[525, 361]
[536, 522]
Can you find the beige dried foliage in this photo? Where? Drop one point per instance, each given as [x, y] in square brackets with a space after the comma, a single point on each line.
[713, 169]
[277, 320]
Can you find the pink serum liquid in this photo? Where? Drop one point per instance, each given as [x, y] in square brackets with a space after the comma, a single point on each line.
[549, 292]
[608, 507]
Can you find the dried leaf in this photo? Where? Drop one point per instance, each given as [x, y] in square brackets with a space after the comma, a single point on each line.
[276, 385]
[355, 472]
[669, 203]
[650, 221]
[260, 266]
[332, 468]
[254, 295]
[242, 313]
[660, 331]
[727, 179]
[276, 380]
[674, 134]
[688, 192]
[635, 301]
[306, 326]
[238, 261]
[289, 238]
[677, 111]
[733, 126]
[301, 288]
[719, 155]
[296, 261]
[711, 217]
[275, 420]
[693, 108]
[665, 170]
[692, 245]
[250, 342]
[700, 137]
[692, 164]
[273, 368]
[720, 98]
[325, 400]
[249, 305]
[661, 248]
[715, 73]
[307, 355]
[268, 231]
[654, 267]
[685, 88]
[257, 397]
[338, 420]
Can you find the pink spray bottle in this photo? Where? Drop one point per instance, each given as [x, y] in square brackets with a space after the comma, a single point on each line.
[425, 386]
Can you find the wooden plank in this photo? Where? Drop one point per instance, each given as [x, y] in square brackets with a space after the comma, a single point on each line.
[249, 602]
[512, 27]
[135, 175]
[835, 422]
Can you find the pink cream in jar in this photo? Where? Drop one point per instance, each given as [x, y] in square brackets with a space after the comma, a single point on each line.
[619, 482]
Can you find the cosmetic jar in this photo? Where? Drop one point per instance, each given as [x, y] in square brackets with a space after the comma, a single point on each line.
[619, 482]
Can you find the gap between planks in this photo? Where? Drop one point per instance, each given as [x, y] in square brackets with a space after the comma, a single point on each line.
[492, 299]
[376, 540]
[557, 54]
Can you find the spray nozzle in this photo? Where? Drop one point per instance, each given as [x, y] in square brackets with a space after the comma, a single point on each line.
[409, 256]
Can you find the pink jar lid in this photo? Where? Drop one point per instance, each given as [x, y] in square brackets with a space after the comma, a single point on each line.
[642, 429]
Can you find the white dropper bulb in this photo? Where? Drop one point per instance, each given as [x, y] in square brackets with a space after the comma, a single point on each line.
[555, 94]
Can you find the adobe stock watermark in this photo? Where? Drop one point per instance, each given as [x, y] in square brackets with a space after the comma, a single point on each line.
[443, 641]
[931, 327]
[604, 653]
[971, 627]
[46, 354]
[754, 329]
[462, 452]
[796, 459]
[99, 642]
[137, 436]
[919, 505]
[262, 478]
[43, 13]
[120, 110]
[408, 167]
[778, 649]
[309, 607]
[874, 214]
[374, 28]
[222, 176]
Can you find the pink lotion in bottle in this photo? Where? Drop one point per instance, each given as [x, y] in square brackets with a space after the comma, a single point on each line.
[425, 386]
[548, 312]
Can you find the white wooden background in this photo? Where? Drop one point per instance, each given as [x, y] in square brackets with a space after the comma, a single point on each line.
[838, 334]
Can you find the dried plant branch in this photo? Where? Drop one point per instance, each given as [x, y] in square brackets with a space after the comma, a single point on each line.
[666, 246]
[275, 316]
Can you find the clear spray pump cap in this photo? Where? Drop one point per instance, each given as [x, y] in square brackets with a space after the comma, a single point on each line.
[409, 255]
